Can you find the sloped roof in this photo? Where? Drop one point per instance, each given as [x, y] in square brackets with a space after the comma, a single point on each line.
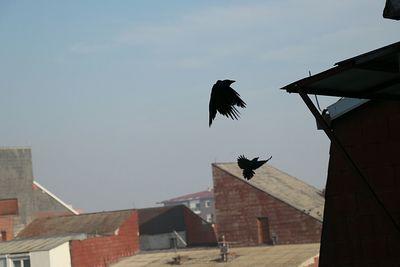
[161, 219]
[35, 244]
[207, 194]
[101, 223]
[372, 75]
[282, 186]
[44, 190]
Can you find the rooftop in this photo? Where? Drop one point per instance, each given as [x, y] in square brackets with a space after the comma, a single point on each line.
[282, 186]
[161, 219]
[274, 256]
[207, 194]
[372, 75]
[100, 223]
[35, 244]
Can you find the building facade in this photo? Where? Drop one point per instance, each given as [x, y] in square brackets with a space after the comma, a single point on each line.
[201, 203]
[356, 231]
[21, 198]
[173, 227]
[108, 235]
[271, 208]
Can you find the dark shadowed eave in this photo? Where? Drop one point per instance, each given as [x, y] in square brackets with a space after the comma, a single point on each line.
[373, 75]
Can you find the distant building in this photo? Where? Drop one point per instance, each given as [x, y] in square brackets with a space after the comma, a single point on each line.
[21, 198]
[107, 236]
[173, 226]
[201, 203]
[271, 208]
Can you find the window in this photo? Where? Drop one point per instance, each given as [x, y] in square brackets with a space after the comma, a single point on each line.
[3, 262]
[194, 205]
[21, 262]
[207, 204]
[209, 217]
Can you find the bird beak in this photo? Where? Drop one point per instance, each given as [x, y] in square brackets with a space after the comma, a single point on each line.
[231, 81]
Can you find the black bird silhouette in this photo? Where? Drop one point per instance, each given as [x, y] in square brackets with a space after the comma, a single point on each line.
[224, 99]
[249, 166]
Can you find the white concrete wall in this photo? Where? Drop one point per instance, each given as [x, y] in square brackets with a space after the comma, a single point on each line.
[60, 256]
[57, 257]
[161, 241]
[40, 259]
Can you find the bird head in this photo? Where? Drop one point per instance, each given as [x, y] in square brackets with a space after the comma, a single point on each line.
[229, 82]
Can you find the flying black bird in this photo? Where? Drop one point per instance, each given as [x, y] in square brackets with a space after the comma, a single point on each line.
[249, 166]
[224, 99]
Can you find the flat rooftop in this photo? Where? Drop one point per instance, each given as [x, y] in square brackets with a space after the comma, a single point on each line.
[274, 256]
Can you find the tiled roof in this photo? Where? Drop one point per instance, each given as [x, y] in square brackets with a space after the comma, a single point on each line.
[101, 223]
[35, 244]
[199, 195]
[282, 186]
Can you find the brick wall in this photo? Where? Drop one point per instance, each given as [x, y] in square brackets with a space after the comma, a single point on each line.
[198, 231]
[7, 227]
[8, 206]
[238, 205]
[103, 250]
[355, 231]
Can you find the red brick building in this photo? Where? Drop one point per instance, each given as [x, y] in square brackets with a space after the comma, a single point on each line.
[109, 235]
[362, 209]
[356, 232]
[272, 208]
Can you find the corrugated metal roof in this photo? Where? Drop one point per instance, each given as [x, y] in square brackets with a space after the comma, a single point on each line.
[101, 223]
[373, 75]
[198, 195]
[282, 186]
[35, 244]
[343, 106]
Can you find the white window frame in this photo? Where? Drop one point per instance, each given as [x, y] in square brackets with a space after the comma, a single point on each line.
[5, 260]
[20, 258]
[207, 203]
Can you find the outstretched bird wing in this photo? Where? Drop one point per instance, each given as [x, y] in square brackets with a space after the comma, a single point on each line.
[257, 164]
[224, 99]
[249, 166]
[243, 162]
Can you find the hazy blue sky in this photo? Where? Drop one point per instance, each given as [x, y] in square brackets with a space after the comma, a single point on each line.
[112, 96]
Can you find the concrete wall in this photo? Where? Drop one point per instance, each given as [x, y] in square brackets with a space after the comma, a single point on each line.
[45, 204]
[60, 256]
[16, 179]
[238, 206]
[355, 230]
[103, 250]
[160, 241]
[41, 259]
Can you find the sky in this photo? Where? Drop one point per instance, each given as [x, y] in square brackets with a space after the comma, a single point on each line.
[112, 96]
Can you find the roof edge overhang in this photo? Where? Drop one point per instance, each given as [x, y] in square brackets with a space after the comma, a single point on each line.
[372, 75]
